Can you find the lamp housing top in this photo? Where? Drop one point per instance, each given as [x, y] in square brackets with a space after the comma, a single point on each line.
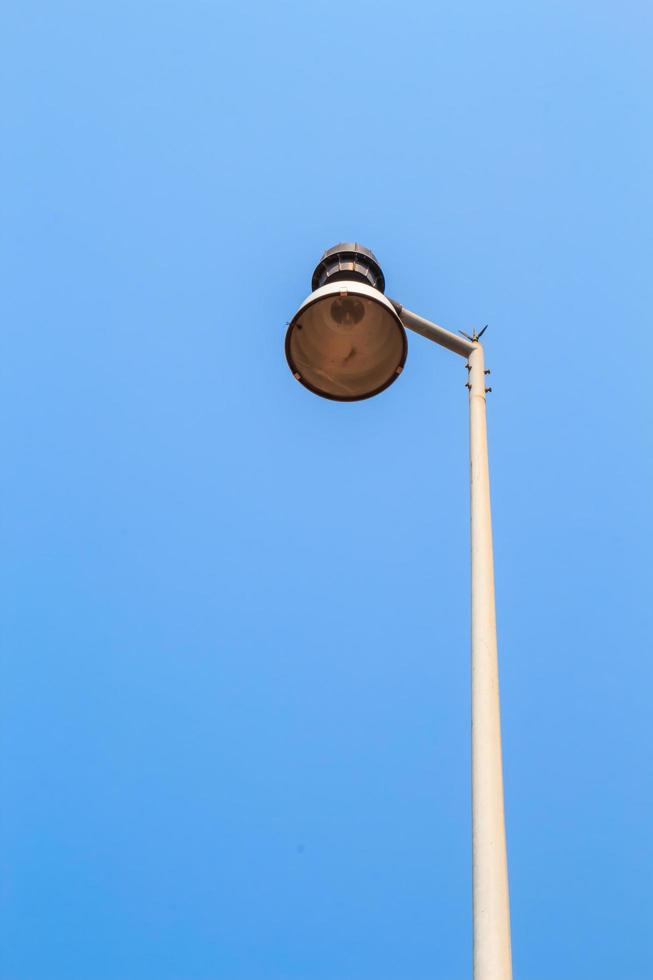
[349, 261]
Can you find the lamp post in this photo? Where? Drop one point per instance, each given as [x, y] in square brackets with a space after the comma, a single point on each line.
[347, 342]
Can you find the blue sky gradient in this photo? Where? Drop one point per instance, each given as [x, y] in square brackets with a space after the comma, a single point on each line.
[235, 644]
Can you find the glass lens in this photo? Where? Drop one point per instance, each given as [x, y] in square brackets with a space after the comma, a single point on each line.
[346, 346]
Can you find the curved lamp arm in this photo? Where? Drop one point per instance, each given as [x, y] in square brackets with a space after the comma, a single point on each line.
[445, 338]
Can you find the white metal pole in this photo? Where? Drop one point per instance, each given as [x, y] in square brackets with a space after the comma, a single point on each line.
[492, 954]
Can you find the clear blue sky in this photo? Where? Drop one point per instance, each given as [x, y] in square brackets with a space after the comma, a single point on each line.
[235, 643]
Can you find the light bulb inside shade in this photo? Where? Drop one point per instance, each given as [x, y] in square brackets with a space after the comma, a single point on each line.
[346, 344]
[347, 311]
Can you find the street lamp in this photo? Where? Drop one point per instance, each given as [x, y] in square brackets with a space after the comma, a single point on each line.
[347, 342]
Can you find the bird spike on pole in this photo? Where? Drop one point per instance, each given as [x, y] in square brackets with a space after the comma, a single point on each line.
[475, 336]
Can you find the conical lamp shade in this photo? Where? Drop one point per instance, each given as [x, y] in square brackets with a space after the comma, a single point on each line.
[346, 342]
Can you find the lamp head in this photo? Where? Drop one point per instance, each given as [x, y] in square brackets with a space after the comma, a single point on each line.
[346, 341]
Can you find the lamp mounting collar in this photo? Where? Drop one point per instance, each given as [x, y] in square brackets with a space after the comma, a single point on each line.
[351, 261]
